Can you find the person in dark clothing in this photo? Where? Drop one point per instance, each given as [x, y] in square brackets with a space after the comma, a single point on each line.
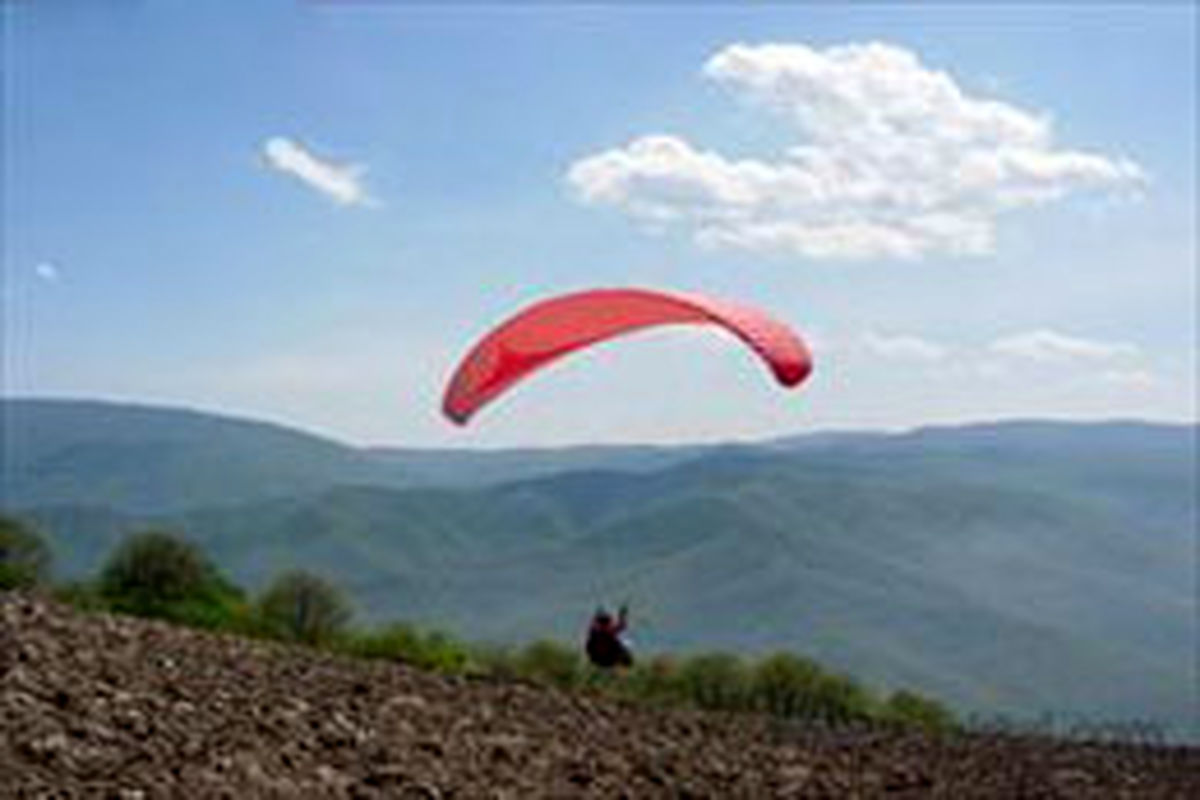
[605, 647]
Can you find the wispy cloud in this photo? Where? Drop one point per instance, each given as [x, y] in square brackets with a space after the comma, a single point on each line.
[48, 272]
[895, 160]
[902, 347]
[1131, 378]
[1045, 345]
[341, 183]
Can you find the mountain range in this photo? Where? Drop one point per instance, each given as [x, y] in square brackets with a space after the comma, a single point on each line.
[1023, 567]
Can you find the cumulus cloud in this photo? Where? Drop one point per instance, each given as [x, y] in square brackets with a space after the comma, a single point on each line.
[341, 183]
[903, 348]
[48, 271]
[1049, 346]
[894, 159]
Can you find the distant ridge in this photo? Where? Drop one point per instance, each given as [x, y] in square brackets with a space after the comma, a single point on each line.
[1021, 566]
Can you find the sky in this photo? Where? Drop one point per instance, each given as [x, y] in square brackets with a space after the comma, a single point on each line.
[306, 212]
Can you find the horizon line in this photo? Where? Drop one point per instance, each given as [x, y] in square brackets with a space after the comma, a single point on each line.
[333, 438]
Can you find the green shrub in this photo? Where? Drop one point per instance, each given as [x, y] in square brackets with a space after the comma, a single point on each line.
[493, 661]
[80, 595]
[717, 681]
[396, 642]
[24, 555]
[783, 685]
[550, 662]
[442, 652]
[156, 574]
[839, 699]
[656, 681]
[402, 642]
[302, 606]
[909, 709]
[789, 686]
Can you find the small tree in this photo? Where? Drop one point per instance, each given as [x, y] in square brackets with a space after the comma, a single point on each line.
[157, 574]
[302, 606]
[24, 555]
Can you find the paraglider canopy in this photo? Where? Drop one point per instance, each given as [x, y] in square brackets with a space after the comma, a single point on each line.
[553, 328]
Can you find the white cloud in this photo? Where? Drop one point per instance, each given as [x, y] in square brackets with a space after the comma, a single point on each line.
[896, 161]
[904, 348]
[989, 370]
[48, 272]
[1049, 346]
[1131, 378]
[341, 183]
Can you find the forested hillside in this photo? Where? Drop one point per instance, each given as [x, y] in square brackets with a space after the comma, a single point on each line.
[1025, 567]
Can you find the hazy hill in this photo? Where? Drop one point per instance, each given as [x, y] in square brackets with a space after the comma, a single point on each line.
[147, 459]
[1028, 566]
[482, 467]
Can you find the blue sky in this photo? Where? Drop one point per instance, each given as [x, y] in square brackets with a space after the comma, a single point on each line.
[306, 212]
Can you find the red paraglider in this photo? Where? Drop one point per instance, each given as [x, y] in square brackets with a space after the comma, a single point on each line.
[553, 328]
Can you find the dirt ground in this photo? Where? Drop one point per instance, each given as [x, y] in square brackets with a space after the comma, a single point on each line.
[100, 706]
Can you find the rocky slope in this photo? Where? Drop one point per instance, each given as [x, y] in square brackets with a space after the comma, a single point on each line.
[113, 707]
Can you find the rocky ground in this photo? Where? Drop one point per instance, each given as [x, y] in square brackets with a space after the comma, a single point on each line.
[112, 707]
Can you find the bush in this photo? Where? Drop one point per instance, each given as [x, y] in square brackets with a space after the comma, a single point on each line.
[443, 653]
[909, 709]
[783, 685]
[80, 595]
[655, 681]
[717, 681]
[550, 662]
[396, 642]
[839, 699]
[304, 607]
[24, 555]
[156, 574]
[401, 642]
[788, 686]
[493, 661]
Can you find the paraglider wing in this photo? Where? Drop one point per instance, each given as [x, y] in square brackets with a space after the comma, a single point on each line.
[550, 329]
